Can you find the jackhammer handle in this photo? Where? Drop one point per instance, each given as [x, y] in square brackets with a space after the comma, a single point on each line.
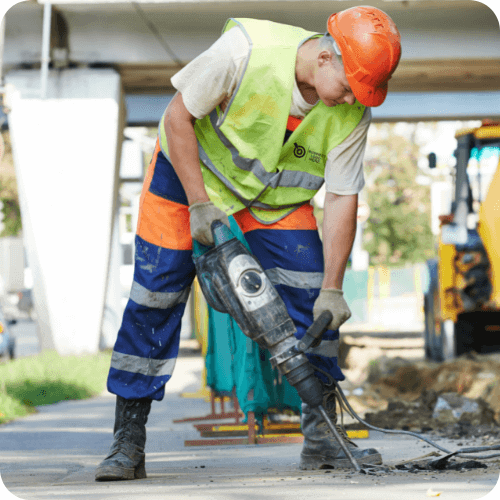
[320, 326]
[312, 338]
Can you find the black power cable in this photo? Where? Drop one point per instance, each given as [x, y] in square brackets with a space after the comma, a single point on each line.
[461, 452]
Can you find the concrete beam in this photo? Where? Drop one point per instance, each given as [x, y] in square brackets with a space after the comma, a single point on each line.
[423, 106]
[146, 110]
[115, 33]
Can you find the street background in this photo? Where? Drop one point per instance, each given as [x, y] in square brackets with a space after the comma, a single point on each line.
[110, 65]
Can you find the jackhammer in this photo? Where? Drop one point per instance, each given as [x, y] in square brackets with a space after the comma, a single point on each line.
[233, 281]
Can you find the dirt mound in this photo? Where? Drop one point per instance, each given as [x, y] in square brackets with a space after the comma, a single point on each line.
[427, 414]
[459, 398]
[474, 377]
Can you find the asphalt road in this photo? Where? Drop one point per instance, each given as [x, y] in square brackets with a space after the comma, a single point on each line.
[53, 454]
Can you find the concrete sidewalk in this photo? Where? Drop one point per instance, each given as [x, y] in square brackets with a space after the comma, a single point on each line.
[53, 454]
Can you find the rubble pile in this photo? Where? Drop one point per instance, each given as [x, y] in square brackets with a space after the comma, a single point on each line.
[457, 399]
[441, 465]
[448, 414]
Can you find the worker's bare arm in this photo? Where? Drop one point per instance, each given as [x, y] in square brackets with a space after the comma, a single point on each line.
[183, 149]
[339, 229]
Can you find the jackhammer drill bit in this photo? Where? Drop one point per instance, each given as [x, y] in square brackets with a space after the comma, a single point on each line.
[338, 437]
[311, 339]
[234, 282]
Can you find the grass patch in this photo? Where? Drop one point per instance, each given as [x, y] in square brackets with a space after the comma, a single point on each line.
[49, 378]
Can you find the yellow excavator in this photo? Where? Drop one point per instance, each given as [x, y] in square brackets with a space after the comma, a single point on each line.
[462, 302]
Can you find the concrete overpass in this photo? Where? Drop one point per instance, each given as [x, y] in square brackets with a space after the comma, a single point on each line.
[67, 122]
[450, 62]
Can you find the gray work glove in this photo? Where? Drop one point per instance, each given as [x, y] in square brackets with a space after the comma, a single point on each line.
[202, 216]
[331, 299]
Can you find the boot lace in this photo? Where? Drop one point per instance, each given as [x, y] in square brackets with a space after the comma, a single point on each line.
[131, 413]
[330, 399]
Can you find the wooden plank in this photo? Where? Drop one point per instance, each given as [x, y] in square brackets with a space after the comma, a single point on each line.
[267, 439]
[215, 442]
[280, 439]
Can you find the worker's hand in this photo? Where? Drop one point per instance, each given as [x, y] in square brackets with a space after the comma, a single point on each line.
[202, 216]
[331, 299]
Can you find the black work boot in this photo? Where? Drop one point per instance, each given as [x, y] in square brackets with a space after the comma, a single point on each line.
[126, 458]
[321, 450]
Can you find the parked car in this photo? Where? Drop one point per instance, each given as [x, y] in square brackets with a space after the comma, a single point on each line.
[7, 341]
[25, 302]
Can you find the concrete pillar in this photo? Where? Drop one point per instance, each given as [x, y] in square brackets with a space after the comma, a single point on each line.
[66, 151]
[113, 310]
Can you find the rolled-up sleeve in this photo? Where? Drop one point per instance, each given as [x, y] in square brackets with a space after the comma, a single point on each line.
[344, 165]
[209, 78]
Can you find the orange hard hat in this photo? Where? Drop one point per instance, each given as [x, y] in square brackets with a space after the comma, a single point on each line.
[370, 45]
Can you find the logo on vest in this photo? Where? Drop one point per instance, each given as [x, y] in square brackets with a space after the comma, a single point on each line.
[299, 151]
[316, 157]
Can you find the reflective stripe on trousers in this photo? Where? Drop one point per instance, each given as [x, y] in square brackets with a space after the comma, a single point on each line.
[148, 340]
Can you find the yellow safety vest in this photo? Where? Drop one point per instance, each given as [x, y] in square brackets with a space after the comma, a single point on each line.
[242, 156]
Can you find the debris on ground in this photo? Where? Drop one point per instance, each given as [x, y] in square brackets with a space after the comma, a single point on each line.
[425, 466]
[452, 408]
[432, 493]
[436, 465]
[456, 399]
[473, 376]
[431, 412]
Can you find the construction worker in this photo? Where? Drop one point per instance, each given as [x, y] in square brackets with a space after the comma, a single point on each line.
[259, 121]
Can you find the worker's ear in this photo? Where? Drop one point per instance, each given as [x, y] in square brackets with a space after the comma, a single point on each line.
[324, 57]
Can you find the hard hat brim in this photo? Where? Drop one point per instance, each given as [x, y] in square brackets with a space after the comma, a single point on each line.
[367, 94]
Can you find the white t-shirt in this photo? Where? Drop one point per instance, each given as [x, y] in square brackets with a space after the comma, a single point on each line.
[211, 79]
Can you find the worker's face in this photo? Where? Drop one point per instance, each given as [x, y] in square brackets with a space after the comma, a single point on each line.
[332, 86]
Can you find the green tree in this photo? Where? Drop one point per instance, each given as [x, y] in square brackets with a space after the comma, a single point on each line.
[11, 215]
[8, 190]
[398, 230]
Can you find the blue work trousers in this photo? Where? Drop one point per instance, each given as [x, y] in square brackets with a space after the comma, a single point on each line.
[147, 346]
